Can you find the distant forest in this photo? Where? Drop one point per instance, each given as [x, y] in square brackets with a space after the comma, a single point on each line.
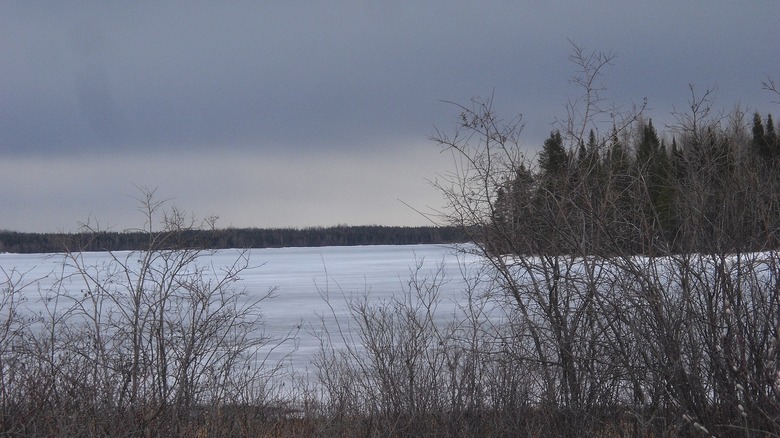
[17, 242]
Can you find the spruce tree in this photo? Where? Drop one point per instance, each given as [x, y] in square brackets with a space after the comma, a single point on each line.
[648, 145]
[770, 138]
[618, 169]
[589, 154]
[511, 212]
[759, 144]
[582, 154]
[663, 190]
[654, 169]
[553, 158]
[592, 144]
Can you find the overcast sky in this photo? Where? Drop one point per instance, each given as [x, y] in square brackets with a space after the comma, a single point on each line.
[293, 113]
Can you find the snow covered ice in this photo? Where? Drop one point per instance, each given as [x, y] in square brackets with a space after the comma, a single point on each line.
[302, 279]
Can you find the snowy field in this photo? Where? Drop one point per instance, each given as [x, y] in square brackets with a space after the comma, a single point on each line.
[302, 278]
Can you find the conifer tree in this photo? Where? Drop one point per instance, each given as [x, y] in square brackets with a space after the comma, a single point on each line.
[648, 145]
[758, 128]
[662, 192]
[553, 158]
[770, 138]
[511, 211]
[653, 168]
[589, 154]
[582, 154]
[759, 144]
[617, 167]
[592, 144]
[618, 159]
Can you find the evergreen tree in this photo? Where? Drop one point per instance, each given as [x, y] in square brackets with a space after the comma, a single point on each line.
[758, 129]
[648, 145]
[770, 138]
[662, 191]
[588, 156]
[592, 144]
[511, 212]
[617, 167]
[553, 158]
[761, 147]
[582, 154]
[501, 216]
[617, 158]
[653, 169]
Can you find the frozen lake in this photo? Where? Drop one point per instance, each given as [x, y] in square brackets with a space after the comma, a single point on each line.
[302, 278]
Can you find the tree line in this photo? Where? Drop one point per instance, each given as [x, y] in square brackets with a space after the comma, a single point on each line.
[710, 188]
[245, 238]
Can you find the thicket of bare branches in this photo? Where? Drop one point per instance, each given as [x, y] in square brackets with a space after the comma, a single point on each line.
[646, 280]
[149, 343]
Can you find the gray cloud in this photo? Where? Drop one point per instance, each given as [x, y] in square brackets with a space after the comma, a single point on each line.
[294, 80]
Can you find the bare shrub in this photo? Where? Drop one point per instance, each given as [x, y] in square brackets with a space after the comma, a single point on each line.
[149, 342]
[404, 367]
